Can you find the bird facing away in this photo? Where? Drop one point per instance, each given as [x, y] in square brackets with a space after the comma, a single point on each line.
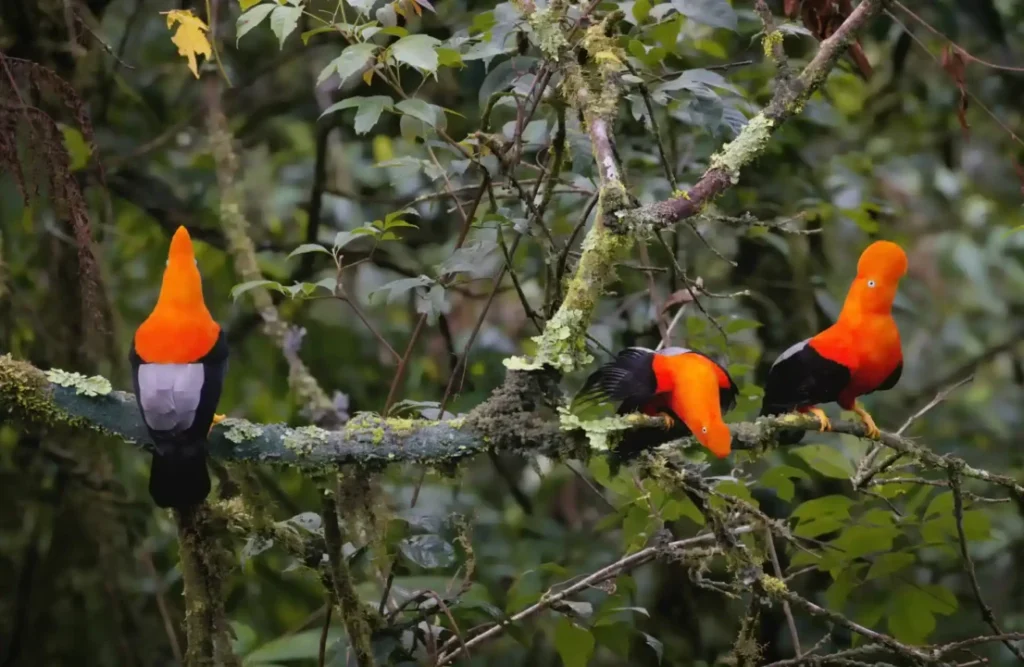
[179, 357]
[689, 388]
[857, 355]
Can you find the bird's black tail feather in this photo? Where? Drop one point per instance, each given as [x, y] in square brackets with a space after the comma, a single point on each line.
[179, 478]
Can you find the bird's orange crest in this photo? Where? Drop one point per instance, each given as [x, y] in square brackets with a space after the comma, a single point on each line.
[884, 258]
[180, 329]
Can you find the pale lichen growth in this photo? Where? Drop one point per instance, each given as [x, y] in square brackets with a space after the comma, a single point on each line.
[744, 148]
[550, 36]
[600, 433]
[304, 439]
[770, 41]
[241, 430]
[773, 585]
[86, 386]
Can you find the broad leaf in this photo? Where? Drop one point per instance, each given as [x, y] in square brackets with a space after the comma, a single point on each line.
[419, 51]
[575, 644]
[351, 60]
[427, 551]
[308, 248]
[251, 18]
[397, 288]
[716, 13]
[284, 20]
[242, 288]
[430, 114]
[828, 461]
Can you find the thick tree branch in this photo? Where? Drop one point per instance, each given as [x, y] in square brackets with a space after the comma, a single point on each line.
[27, 393]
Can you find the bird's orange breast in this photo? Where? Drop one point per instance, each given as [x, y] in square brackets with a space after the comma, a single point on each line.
[870, 347]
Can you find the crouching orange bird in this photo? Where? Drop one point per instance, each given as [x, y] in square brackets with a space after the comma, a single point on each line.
[685, 386]
[179, 358]
[857, 355]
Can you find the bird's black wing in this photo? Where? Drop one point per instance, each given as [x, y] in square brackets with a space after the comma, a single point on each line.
[802, 377]
[628, 379]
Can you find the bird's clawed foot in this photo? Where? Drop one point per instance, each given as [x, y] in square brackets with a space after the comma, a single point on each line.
[669, 423]
[216, 420]
[826, 425]
[873, 431]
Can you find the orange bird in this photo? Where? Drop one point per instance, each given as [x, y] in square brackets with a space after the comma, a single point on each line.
[683, 385]
[179, 357]
[857, 355]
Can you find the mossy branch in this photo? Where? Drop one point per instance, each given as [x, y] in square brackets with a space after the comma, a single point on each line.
[370, 440]
[788, 100]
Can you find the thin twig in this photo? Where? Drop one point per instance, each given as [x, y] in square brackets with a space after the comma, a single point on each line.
[986, 611]
[608, 572]
[790, 621]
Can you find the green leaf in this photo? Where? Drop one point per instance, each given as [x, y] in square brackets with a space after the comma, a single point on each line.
[471, 259]
[715, 13]
[348, 63]
[941, 505]
[246, 4]
[449, 57]
[308, 248]
[828, 461]
[821, 515]
[740, 324]
[395, 31]
[342, 239]
[846, 580]
[284, 20]
[421, 110]
[298, 646]
[369, 112]
[309, 34]
[397, 288]
[890, 563]
[418, 51]
[912, 609]
[575, 644]
[427, 551]
[242, 288]
[635, 528]
[251, 19]
[674, 508]
[78, 149]
[655, 644]
[641, 10]
[859, 540]
[778, 478]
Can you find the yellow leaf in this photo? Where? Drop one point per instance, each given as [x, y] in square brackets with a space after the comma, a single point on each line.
[190, 37]
[368, 76]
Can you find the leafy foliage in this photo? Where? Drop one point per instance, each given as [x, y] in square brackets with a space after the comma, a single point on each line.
[442, 157]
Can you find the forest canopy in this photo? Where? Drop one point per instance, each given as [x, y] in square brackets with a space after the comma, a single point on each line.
[421, 225]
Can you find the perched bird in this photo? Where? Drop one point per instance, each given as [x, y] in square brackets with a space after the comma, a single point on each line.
[690, 389]
[179, 357]
[857, 355]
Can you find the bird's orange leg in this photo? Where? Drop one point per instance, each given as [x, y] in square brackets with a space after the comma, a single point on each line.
[873, 431]
[826, 425]
[216, 420]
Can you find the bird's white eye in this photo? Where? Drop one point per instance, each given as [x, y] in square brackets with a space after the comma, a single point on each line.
[871, 283]
[704, 430]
